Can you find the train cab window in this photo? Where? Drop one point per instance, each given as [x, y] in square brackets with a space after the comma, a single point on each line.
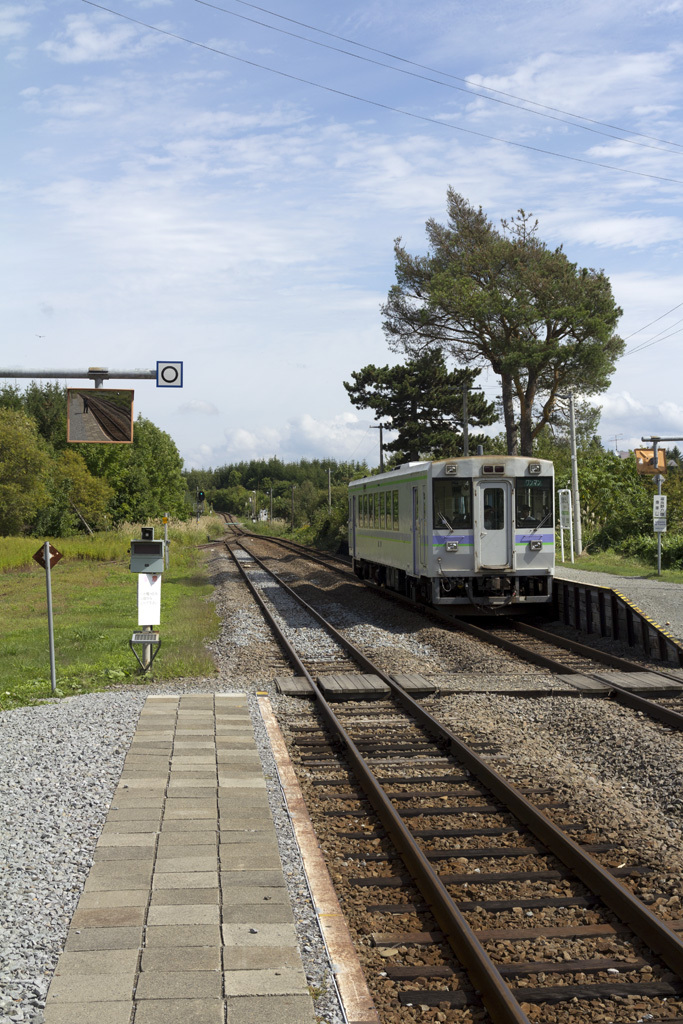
[494, 508]
[533, 501]
[452, 504]
[395, 504]
[382, 510]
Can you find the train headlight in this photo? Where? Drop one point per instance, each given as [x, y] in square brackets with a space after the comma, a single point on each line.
[451, 545]
[536, 545]
[534, 468]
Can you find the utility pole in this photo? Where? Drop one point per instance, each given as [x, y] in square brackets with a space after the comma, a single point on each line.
[293, 486]
[329, 488]
[381, 447]
[465, 425]
[578, 542]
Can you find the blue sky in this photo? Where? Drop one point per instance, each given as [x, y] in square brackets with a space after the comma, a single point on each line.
[163, 201]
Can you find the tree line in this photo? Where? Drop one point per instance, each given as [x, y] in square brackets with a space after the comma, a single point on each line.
[51, 488]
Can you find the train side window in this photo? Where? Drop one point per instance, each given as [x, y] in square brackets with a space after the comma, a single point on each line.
[382, 510]
[452, 504]
[395, 503]
[365, 510]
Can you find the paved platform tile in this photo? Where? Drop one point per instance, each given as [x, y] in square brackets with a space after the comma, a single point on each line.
[182, 958]
[258, 913]
[190, 913]
[182, 935]
[235, 858]
[114, 898]
[268, 982]
[140, 854]
[88, 1013]
[244, 895]
[179, 985]
[183, 897]
[185, 880]
[182, 1011]
[108, 917]
[98, 961]
[266, 935]
[265, 877]
[191, 863]
[260, 958]
[104, 938]
[270, 1010]
[92, 988]
[203, 837]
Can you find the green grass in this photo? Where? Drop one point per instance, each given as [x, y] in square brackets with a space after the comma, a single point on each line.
[619, 565]
[95, 615]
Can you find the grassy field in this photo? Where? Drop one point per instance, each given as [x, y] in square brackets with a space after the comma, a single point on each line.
[94, 599]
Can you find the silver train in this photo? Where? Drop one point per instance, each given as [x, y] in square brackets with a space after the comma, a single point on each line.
[475, 532]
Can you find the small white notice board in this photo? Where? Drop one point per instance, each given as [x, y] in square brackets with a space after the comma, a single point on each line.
[149, 599]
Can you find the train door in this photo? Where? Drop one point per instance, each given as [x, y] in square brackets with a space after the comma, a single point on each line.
[415, 531]
[493, 535]
[353, 521]
[419, 528]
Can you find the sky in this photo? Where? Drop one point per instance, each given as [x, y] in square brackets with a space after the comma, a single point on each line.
[222, 184]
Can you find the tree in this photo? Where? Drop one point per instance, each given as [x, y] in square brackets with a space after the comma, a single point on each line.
[503, 298]
[24, 464]
[423, 401]
[145, 475]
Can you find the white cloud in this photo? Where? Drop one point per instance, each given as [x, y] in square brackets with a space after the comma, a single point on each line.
[198, 407]
[96, 38]
[13, 20]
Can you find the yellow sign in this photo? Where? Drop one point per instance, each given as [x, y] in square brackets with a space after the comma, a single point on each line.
[164, 519]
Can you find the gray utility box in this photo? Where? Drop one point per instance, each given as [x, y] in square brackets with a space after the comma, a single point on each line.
[147, 556]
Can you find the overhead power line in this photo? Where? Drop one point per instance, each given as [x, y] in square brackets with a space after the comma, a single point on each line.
[656, 320]
[435, 81]
[382, 106]
[445, 74]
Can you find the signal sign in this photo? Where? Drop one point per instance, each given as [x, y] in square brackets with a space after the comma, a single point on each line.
[169, 375]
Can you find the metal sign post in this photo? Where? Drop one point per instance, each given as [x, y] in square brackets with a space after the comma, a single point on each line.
[47, 556]
[659, 500]
[565, 506]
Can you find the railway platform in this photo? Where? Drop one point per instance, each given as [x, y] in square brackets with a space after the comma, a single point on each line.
[185, 917]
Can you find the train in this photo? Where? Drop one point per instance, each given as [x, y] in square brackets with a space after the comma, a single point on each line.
[477, 532]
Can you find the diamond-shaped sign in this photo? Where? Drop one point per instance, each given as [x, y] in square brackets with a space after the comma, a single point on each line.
[55, 556]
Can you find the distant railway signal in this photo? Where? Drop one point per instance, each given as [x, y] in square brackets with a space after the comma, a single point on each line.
[169, 375]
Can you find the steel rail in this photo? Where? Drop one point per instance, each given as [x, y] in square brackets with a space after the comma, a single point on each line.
[495, 993]
[597, 878]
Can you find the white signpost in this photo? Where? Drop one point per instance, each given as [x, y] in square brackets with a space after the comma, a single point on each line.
[565, 506]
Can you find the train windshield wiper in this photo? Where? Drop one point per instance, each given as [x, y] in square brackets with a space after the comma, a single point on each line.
[444, 520]
[545, 519]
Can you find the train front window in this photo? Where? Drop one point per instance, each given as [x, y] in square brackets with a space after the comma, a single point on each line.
[452, 504]
[533, 502]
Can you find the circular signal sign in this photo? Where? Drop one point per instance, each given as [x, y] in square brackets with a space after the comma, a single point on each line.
[169, 375]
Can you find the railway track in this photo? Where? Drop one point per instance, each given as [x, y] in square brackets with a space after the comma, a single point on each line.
[537, 646]
[515, 905]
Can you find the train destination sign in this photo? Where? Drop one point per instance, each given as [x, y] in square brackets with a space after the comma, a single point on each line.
[99, 416]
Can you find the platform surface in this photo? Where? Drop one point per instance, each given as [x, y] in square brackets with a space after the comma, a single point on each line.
[185, 917]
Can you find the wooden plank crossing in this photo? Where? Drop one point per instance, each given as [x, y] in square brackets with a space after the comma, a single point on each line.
[294, 686]
[414, 684]
[646, 683]
[352, 686]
